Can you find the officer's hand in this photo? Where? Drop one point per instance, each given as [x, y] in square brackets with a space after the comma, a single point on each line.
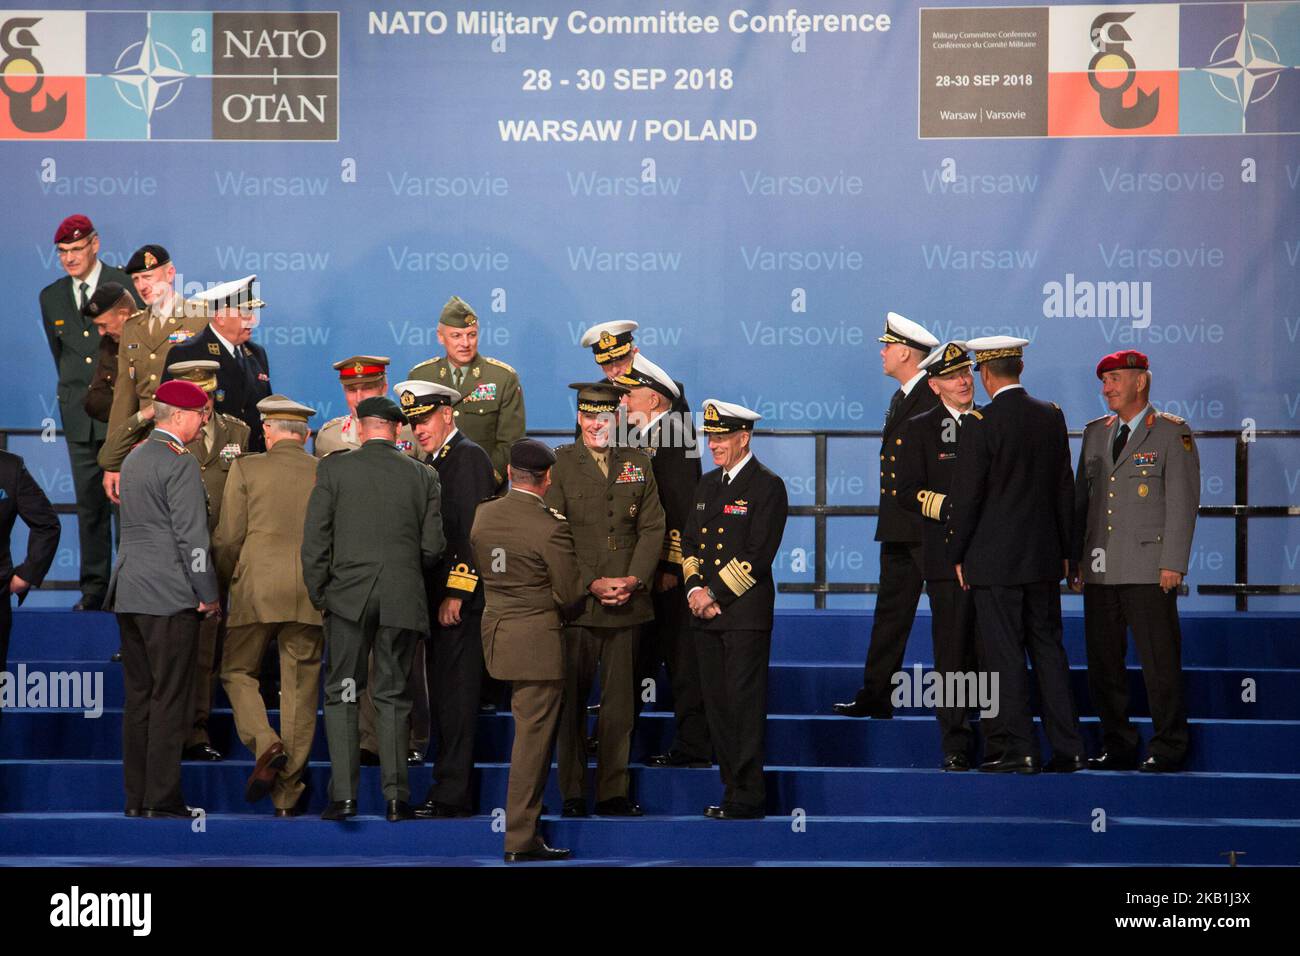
[18, 586]
[603, 588]
[112, 479]
[210, 608]
[449, 611]
[698, 601]
[1076, 582]
[961, 579]
[712, 611]
[665, 582]
[627, 586]
[1169, 580]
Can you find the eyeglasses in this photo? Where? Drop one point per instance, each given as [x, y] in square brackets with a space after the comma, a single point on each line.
[65, 252]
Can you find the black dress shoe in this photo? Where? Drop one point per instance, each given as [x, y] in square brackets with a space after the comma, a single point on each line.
[90, 602]
[542, 854]
[618, 807]
[714, 812]
[282, 813]
[399, 810]
[201, 752]
[433, 810]
[163, 813]
[956, 762]
[676, 759]
[854, 709]
[340, 810]
[1063, 763]
[577, 807]
[736, 811]
[116, 658]
[414, 758]
[1011, 765]
[1154, 764]
[1111, 760]
[369, 758]
[132, 812]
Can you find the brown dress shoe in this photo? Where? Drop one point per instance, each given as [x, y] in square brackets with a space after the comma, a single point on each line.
[267, 768]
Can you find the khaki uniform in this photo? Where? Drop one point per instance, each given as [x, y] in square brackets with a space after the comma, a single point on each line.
[491, 412]
[618, 528]
[141, 361]
[523, 637]
[340, 434]
[257, 547]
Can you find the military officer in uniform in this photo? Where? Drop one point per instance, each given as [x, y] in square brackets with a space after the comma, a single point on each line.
[614, 348]
[162, 583]
[147, 338]
[1009, 537]
[924, 478]
[244, 378]
[531, 584]
[902, 570]
[731, 539]
[1136, 492]
[74, 343]
[670, 442]
[257, 545]
[372, 531]
[491, 411]
[108, 309]
[455, 648]
[611, 500]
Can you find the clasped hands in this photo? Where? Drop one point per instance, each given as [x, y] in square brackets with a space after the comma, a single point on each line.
[703, 606]
[612, 592]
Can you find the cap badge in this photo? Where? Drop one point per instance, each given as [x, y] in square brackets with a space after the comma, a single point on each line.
[408, 398]
[606, 340]
[358, 368]
[710, 413]
[951, 353]
[150, 260]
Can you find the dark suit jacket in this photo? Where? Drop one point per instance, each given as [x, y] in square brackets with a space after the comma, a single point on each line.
[238, 391]
[21, 497]
[99, 396]
[894, 524]
[72, 341]
[373, 526]
[676, 474]
[925, 471]
[465, 473]
[1013, 493]
[731, 539]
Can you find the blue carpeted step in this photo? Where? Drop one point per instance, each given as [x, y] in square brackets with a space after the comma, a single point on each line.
[1229, 746]
[86, 786]
[948, 839]
[1210, 639]
[810, 688]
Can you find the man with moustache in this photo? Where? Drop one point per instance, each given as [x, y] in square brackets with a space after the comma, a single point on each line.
[1136, 492]
[902, 568]
[454, 653]
[925, 470]
[731, 539]
[74, 344]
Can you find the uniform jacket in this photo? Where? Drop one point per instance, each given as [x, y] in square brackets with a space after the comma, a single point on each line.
[141, 361]
[676, 473]
[924, 479]
[99, 396]
[21, 497]
[732, 537]
[373, 527]
[164, 565]
[1013, 493]
[530, 576]
[258, 541]
[617, 522]
[238, 389]
[491, 413]
[465, 472]
[341, 434]
[74, 343]
[1141, 510]
[894, 523]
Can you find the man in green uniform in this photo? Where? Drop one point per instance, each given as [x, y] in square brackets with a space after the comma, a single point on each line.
[612, 503]
[491, 410]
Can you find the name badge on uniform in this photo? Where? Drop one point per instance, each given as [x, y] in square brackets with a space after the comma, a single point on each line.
[230, 452]
[58, 322]
[483, 392]
[630, 473]
[132, 345]
[739, 507]
[1144, 459]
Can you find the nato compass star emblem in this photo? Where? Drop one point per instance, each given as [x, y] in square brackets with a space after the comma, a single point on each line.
[148, 75]
[1243, 69]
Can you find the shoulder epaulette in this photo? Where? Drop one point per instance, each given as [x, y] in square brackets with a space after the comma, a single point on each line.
[977, 414]
[176, 447]
[1173, 418]
[1104, 419]
[501, 364]
[558, 516]
[335, 421]
[432, 361]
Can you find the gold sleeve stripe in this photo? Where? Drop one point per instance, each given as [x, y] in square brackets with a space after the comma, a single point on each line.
[462, 578]
[735, 575]
[931, 503]
[690, 566]
[672, 547]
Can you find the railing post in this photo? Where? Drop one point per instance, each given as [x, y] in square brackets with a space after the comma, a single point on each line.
[819, 521]
[1241, 521]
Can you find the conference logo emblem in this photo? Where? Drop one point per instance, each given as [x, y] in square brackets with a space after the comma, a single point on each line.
[169, 76]
[1112, 71]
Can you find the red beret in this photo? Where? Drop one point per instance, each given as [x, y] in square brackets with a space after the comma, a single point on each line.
[1129, 358]
[181, 394]
[73, 228]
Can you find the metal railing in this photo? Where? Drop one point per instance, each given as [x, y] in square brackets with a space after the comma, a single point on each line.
[1241, 511]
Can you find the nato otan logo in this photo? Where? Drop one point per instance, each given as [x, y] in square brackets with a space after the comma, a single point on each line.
[76, 909]
[174, 76]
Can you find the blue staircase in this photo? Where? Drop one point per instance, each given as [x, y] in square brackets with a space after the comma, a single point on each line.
[840, 791]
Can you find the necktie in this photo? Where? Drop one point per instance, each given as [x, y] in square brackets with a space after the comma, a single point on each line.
[457, 375]
[893, 407]
[1117, 448]
[726, 479]
[85, 288]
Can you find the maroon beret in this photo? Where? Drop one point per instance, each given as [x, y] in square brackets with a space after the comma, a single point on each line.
[73, 228]
[181, 394]
[1129, 358]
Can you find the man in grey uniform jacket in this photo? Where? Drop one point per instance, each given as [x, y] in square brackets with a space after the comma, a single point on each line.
[1136, 492]
[162, 582]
